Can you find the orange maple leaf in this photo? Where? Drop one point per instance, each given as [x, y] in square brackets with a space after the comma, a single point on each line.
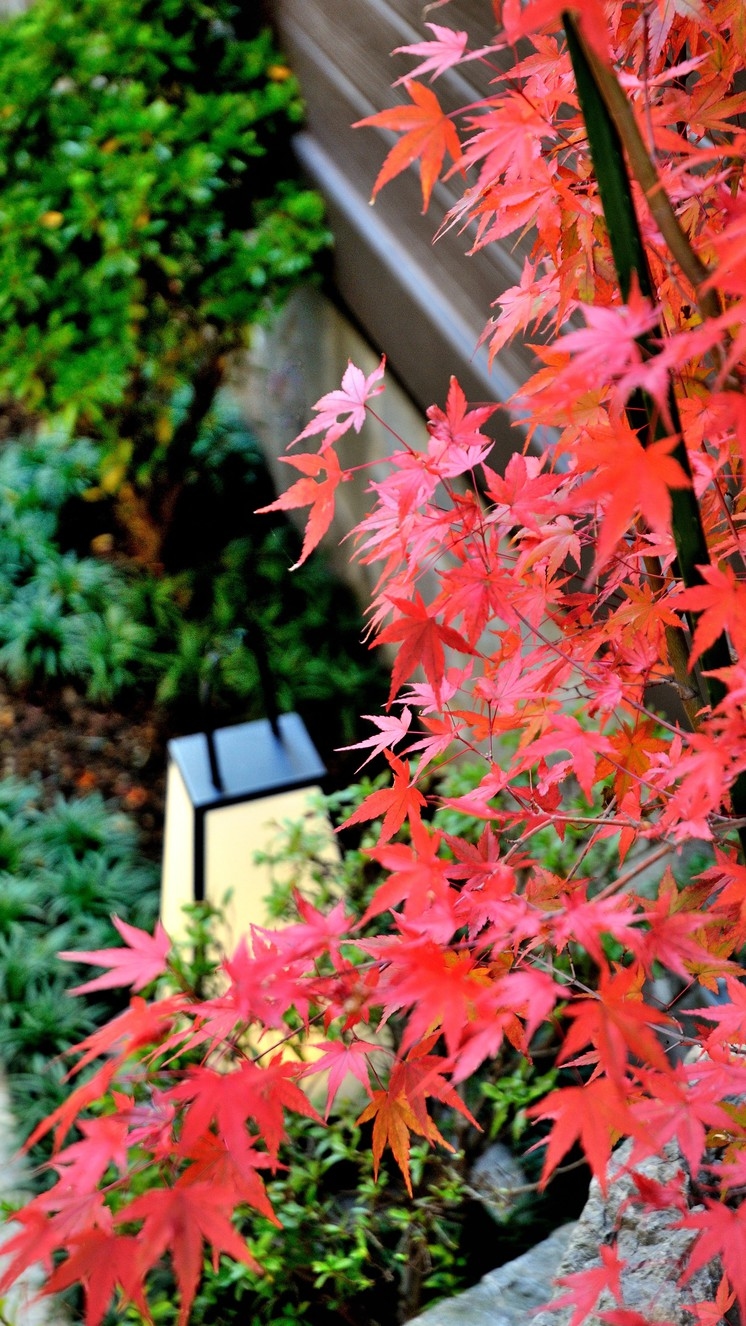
[428, 134]
[721, 601]
[306, 492]
[394, 1121]
[394, 803]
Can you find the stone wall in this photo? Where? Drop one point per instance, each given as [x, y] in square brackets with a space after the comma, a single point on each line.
[289, 367]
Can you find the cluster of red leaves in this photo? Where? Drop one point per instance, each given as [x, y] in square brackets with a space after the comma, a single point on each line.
[541, 618]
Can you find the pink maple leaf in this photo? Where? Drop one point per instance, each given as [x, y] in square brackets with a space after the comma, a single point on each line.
[142, 961]
[456, 444]
[443, 51]
[391, 730]
[341, 1060]
[340, 410]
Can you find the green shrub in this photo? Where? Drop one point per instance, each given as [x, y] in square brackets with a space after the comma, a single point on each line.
[148, 215]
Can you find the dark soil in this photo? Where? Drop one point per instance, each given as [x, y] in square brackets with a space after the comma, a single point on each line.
[73, 748]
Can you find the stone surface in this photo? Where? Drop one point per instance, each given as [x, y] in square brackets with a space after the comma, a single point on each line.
[497, 1181]
[19, 1307]
[654, 1251]
[509, 1295]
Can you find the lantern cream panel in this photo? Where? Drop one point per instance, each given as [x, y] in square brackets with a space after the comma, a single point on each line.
[233, 835]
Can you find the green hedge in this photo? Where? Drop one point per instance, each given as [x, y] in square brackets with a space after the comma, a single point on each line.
[148, 213]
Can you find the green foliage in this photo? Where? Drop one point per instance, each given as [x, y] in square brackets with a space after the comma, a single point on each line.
[348, 1248]
[148, 211]
[63, 871]
[510, 1093]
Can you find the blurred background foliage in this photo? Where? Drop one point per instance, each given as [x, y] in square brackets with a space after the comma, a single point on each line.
[150, 215]
[190, 642]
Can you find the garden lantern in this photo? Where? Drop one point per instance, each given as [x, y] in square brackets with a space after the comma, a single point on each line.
[226, 791]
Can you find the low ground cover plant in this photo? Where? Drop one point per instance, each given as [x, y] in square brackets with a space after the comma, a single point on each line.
[568, 588]
[64, 870]
[190, 641]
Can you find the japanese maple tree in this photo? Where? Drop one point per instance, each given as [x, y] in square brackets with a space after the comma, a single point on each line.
[607, 560]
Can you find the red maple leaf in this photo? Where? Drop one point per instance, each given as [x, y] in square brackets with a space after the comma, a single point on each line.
[730, 1016]
[101, 1262]
[211, 1162]
[630, 480]
[670, 1109]
[720, 605]
[617, 1023]
[417, 875]
[180, 1220]
[142, 962]
[715, 1312]
[520, 19]
[251, 1091]
[397, 803]
[104, 1143]
[723, 1238]
[608, 349]
[564, 732]
[306, 492]
[139, 1025]
[476, 592]
[427, 134]
[62, 1119]
[586, 1287]
[522, 494]
[422, 637]
[596, 1115]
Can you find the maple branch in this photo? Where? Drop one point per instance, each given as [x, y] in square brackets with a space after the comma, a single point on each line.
[610, 127]
[589, 844]
[588, 675]
[677, 648]
[519, 1189]
[620, 112]
[638, 868]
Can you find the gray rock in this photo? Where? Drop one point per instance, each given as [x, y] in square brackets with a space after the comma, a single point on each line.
[21, 1305]
[497, 1180]
[655, 1252]
[509, 1295]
